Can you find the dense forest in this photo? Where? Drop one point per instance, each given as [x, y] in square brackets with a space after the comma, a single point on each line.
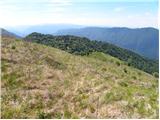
[84, 46]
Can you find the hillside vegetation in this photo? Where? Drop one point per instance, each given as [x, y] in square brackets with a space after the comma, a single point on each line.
[137, 39]
[44, 82]
[84, 46]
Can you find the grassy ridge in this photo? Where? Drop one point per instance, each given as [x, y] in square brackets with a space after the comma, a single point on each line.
[84, 46]
[44, 82]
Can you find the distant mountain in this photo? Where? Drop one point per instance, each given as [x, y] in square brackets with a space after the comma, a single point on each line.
[5, 33]
[84, 46]
[143, 41]
[44, 28]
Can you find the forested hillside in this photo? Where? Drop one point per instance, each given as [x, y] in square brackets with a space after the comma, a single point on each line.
[144, 41]
[84, 46]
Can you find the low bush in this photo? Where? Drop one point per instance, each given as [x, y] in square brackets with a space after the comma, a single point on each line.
[125, 70]
[118, 63]
[43, 115]
[123, 84]
[13, 47]
[155, 74]
[111, 97]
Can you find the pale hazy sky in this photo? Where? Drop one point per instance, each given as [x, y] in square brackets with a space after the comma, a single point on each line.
[128, 13]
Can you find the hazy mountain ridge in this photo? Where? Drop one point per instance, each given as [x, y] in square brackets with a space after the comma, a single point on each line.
[5, 33]
[143, 41]
[135, 39]
[42, 28]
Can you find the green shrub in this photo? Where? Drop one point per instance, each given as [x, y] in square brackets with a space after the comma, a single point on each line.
[118, 63]
[141, 108]
[155, 74]
[111, 97]
[58, 115]
[134, 77]
[139, 73]
[11, 113]
[129, 62]
[123, 84]
[43, 115]
[67, 114]
[13, 47]
[125, 70]
[104, 69]
[11, 80]
[55, 64]
[3, 66]
[83, 104]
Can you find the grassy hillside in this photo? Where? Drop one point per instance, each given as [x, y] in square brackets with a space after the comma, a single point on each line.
[44, 82]
[84, 46]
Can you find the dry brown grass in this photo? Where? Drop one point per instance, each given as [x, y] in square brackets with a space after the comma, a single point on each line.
[50, 83]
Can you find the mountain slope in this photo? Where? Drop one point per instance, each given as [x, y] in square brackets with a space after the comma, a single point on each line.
[42, 28]
[84, 46]
[144, 41]
[44, 82]
[5, 33]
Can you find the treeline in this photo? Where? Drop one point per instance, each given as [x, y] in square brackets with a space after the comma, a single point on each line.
[84, 46]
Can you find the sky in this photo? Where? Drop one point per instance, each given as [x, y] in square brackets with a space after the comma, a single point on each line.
[123, 13]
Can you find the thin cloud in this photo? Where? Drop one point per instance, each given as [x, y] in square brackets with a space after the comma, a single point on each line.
[119, 9]
[60, 2]
[85, 12]
[147, 13]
